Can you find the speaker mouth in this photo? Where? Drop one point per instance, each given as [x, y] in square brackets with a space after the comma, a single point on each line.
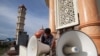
[67, 50]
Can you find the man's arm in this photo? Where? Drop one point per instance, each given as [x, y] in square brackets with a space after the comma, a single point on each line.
[53, 43]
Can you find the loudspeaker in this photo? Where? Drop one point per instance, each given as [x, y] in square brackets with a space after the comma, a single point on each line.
[23, 50]
[75, 43]
[36, 48]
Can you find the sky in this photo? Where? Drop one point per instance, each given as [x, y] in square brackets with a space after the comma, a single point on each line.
[36, 16]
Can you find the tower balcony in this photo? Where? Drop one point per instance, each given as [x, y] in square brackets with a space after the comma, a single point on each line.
[20, 23]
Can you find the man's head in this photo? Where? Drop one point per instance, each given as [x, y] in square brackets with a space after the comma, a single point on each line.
[47, 31]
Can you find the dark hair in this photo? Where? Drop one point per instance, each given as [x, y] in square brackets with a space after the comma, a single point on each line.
[47, 31]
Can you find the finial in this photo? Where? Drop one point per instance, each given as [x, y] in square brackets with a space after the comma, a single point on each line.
[22, 6]
[42, 27]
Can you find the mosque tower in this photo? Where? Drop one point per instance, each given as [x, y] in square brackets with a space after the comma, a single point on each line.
[21, 19]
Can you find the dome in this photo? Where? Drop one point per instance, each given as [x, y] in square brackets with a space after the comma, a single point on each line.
[39, 33]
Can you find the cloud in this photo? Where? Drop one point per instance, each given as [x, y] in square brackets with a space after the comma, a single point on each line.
[8, 13]
[33, 23]
[8, 20]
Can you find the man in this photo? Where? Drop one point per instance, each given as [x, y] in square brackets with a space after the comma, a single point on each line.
[47, 37]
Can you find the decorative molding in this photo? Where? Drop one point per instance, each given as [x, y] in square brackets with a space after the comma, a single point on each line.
[95, 37]
[90, 24]
[66, 14]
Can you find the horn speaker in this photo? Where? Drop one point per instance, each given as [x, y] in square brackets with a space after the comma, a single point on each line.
[71, 43]
[23, 50]
[75, 43]
[36, 48]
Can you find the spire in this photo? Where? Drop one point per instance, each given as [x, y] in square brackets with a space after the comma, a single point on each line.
[42, 27]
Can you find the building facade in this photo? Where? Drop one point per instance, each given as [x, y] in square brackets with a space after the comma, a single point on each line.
[88, 15]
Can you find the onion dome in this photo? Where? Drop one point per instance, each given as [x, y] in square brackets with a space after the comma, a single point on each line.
[39, 33]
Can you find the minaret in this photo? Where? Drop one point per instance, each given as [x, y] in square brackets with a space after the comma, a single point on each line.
[21, 19]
